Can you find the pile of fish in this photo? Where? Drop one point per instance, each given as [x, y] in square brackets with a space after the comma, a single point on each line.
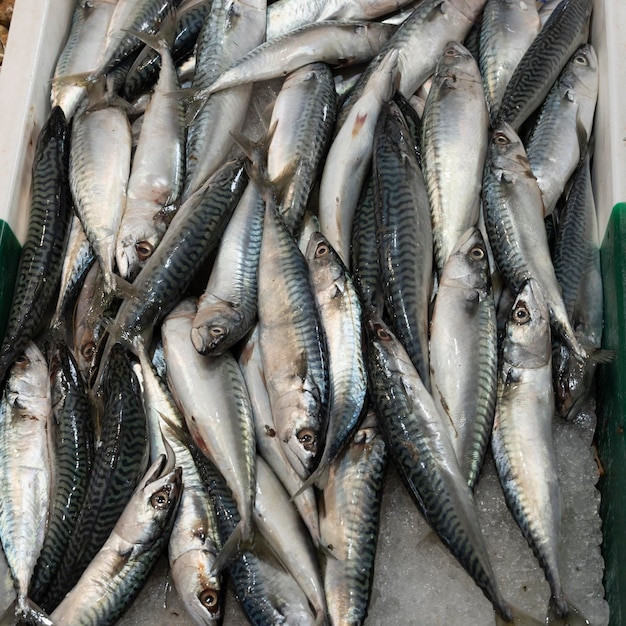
[229, 316]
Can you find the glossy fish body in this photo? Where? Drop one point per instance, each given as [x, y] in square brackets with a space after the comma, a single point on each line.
[233, 28]
[124, 562]
[25, 457]
[522, 442]
[420, 40]
[350, 523]
[507, 30]
[425, 458]
[73, 457]
[129, 17]
[192, 235]
[464, 353]
[194, 542]
[302, 122]
[268, 445]
[564, 126]
[577, 268]
[349, 159]
[227, 308]
[40, 263]
[85, 44]
[277, 519]
[119, 462]
[156, 177]
[146, 67]
[335, 43]
[404, 235]
[99, 171]
[292, 346]
[454, 144]
[340, 313]
[513, 209]
[212, 396]
[287, 15]
[563, 33]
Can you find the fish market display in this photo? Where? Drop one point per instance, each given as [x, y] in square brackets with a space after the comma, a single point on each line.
[268, 257]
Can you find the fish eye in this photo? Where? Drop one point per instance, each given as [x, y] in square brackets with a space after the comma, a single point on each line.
[209, 598]
[160, 499]
[381, 333]
[22, 359]
[521, 315]
[144, 249]
[88, 350]
[322, 249]
[501, 139]
[581, 59]
[450, 52]
[307, 438]
[217, 332]
[477, 252]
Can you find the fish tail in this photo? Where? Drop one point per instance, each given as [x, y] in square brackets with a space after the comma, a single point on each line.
[516, 616]
[31, 613]
[561, 612]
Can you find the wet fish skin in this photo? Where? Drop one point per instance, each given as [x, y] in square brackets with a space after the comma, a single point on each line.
[228, 306]
[513, 210]
[566, 29]
[350, 522]
[122, 565]
[424, 456]
[507, 30]
[74, 451]
[25, 457]
[39, 269]
[524, 414]
[119, 462]
[463, 339]
[454, 145]
[403, 234]
[564, 125]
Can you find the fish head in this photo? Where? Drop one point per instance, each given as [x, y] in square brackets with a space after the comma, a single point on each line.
[506, 153]
[468, 265]
[528, 343]
[133, 250]
[581, 73]
[214, 327]
[200, 591]
[325, 266]
[572, 381]
[456, 63]
[28, 377]
[152, 506]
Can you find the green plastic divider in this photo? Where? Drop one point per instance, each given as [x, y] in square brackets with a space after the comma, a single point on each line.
[9, 260]
[611, 436]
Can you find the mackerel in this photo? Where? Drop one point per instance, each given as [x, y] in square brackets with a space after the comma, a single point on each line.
[99, 171]
[25, 473]
[232, 28]
[564, 126]
[212, 396]
[39, 269]
[81, 53]
[123, 564]
[425, 458]
[454, 144]
[335, 43]
[513, 209]
[228, 306]
[292, 345]
[119, 462]
[507, 30]
[156, 177]
[350, 523]
[340, 313]
[403, 234]
[74, 448]
[194, 542]
[522, 441]
[563, 33]
[268, 445]
[349, 159]
[302, 122]
[464, 354]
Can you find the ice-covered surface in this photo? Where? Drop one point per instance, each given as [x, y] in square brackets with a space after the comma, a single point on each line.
[417, 582]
